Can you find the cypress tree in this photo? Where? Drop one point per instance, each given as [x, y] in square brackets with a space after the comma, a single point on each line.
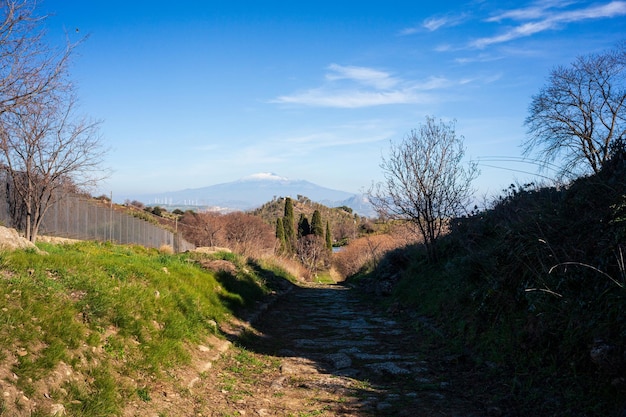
[280, 235]
[303, 226]
[329, 239]
[317, 228]
[288, 225]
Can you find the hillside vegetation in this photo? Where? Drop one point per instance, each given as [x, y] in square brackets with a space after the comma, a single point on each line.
[344, 224]
[89, 328]
[530, 292]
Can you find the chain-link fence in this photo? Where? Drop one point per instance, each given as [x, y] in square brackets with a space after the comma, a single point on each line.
[76, 217]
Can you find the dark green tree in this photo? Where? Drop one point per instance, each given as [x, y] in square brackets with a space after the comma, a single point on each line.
[317, 227]
[304, 228]
[329, 238]
[280, 235]
[289, 226]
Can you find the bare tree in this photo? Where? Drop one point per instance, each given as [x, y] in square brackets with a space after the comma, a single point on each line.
[28, 66]
[312, 253]
[580, 113]
[249, 235]
[425, 181]
[45, 147]
[46, 151]
[203, 229]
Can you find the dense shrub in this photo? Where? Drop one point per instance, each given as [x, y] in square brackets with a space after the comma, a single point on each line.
[535, 285]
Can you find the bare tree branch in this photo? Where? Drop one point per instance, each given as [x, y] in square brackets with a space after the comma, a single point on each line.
[425, 182]
[45, 147]
[580, 113]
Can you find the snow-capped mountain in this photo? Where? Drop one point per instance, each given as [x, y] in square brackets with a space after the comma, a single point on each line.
[253, 191]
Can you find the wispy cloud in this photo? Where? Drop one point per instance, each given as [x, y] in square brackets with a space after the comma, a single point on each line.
[349, 99]
[434, 23]
[302, 143]
[363, 75]
[535, 11]
[355, 87]
[543, 17]
[481, 58]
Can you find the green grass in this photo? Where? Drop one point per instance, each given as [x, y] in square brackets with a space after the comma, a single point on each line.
[324, 277]
[110, 310]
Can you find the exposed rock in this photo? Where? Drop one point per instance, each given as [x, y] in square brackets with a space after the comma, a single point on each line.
[339, 360]
[11, 240]
[57, 410]
[278, 383]
[388, 368]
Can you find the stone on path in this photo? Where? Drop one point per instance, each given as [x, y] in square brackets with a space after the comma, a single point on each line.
[339, 360]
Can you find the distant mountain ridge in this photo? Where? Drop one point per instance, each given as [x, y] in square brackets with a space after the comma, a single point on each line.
[253, 191]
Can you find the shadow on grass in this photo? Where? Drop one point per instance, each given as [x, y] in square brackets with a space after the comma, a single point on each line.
[250, 294]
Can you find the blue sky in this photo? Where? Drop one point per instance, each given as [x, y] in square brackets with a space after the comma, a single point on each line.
[196, 93]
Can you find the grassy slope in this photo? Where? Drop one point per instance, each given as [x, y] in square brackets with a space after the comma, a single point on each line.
[527, 289]
[102, 314]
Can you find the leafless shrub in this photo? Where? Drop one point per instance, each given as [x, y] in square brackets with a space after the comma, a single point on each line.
[312, 252]
[243, 233]
[248, 235]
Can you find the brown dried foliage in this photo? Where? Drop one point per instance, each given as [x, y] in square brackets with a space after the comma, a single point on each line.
[365, 252]
[242, 233]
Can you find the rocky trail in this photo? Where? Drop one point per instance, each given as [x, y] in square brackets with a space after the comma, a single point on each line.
[324, 351]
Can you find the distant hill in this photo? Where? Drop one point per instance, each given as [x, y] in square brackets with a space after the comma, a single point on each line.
[253, 191]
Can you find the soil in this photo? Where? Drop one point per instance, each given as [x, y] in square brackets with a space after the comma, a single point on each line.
[324, 350]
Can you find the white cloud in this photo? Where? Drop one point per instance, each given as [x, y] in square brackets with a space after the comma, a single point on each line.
[543, 18]
[357, 87]
[435, 23]
[363, 75]
[350, 98]
[536, 11]
[433, 83]
[265, 176]
[481, 58]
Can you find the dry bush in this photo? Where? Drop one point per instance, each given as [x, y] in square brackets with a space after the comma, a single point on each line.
[166, 249]
[203, 229]
[248, 235]
[365, 252]
[292, 266]
[312, 253]
[243, 233]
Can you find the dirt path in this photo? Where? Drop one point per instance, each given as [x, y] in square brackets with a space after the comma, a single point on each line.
[322, 351]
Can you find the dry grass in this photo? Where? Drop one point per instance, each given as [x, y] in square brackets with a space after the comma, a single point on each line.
[291, 266]
[364, 253]
[166, 250]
